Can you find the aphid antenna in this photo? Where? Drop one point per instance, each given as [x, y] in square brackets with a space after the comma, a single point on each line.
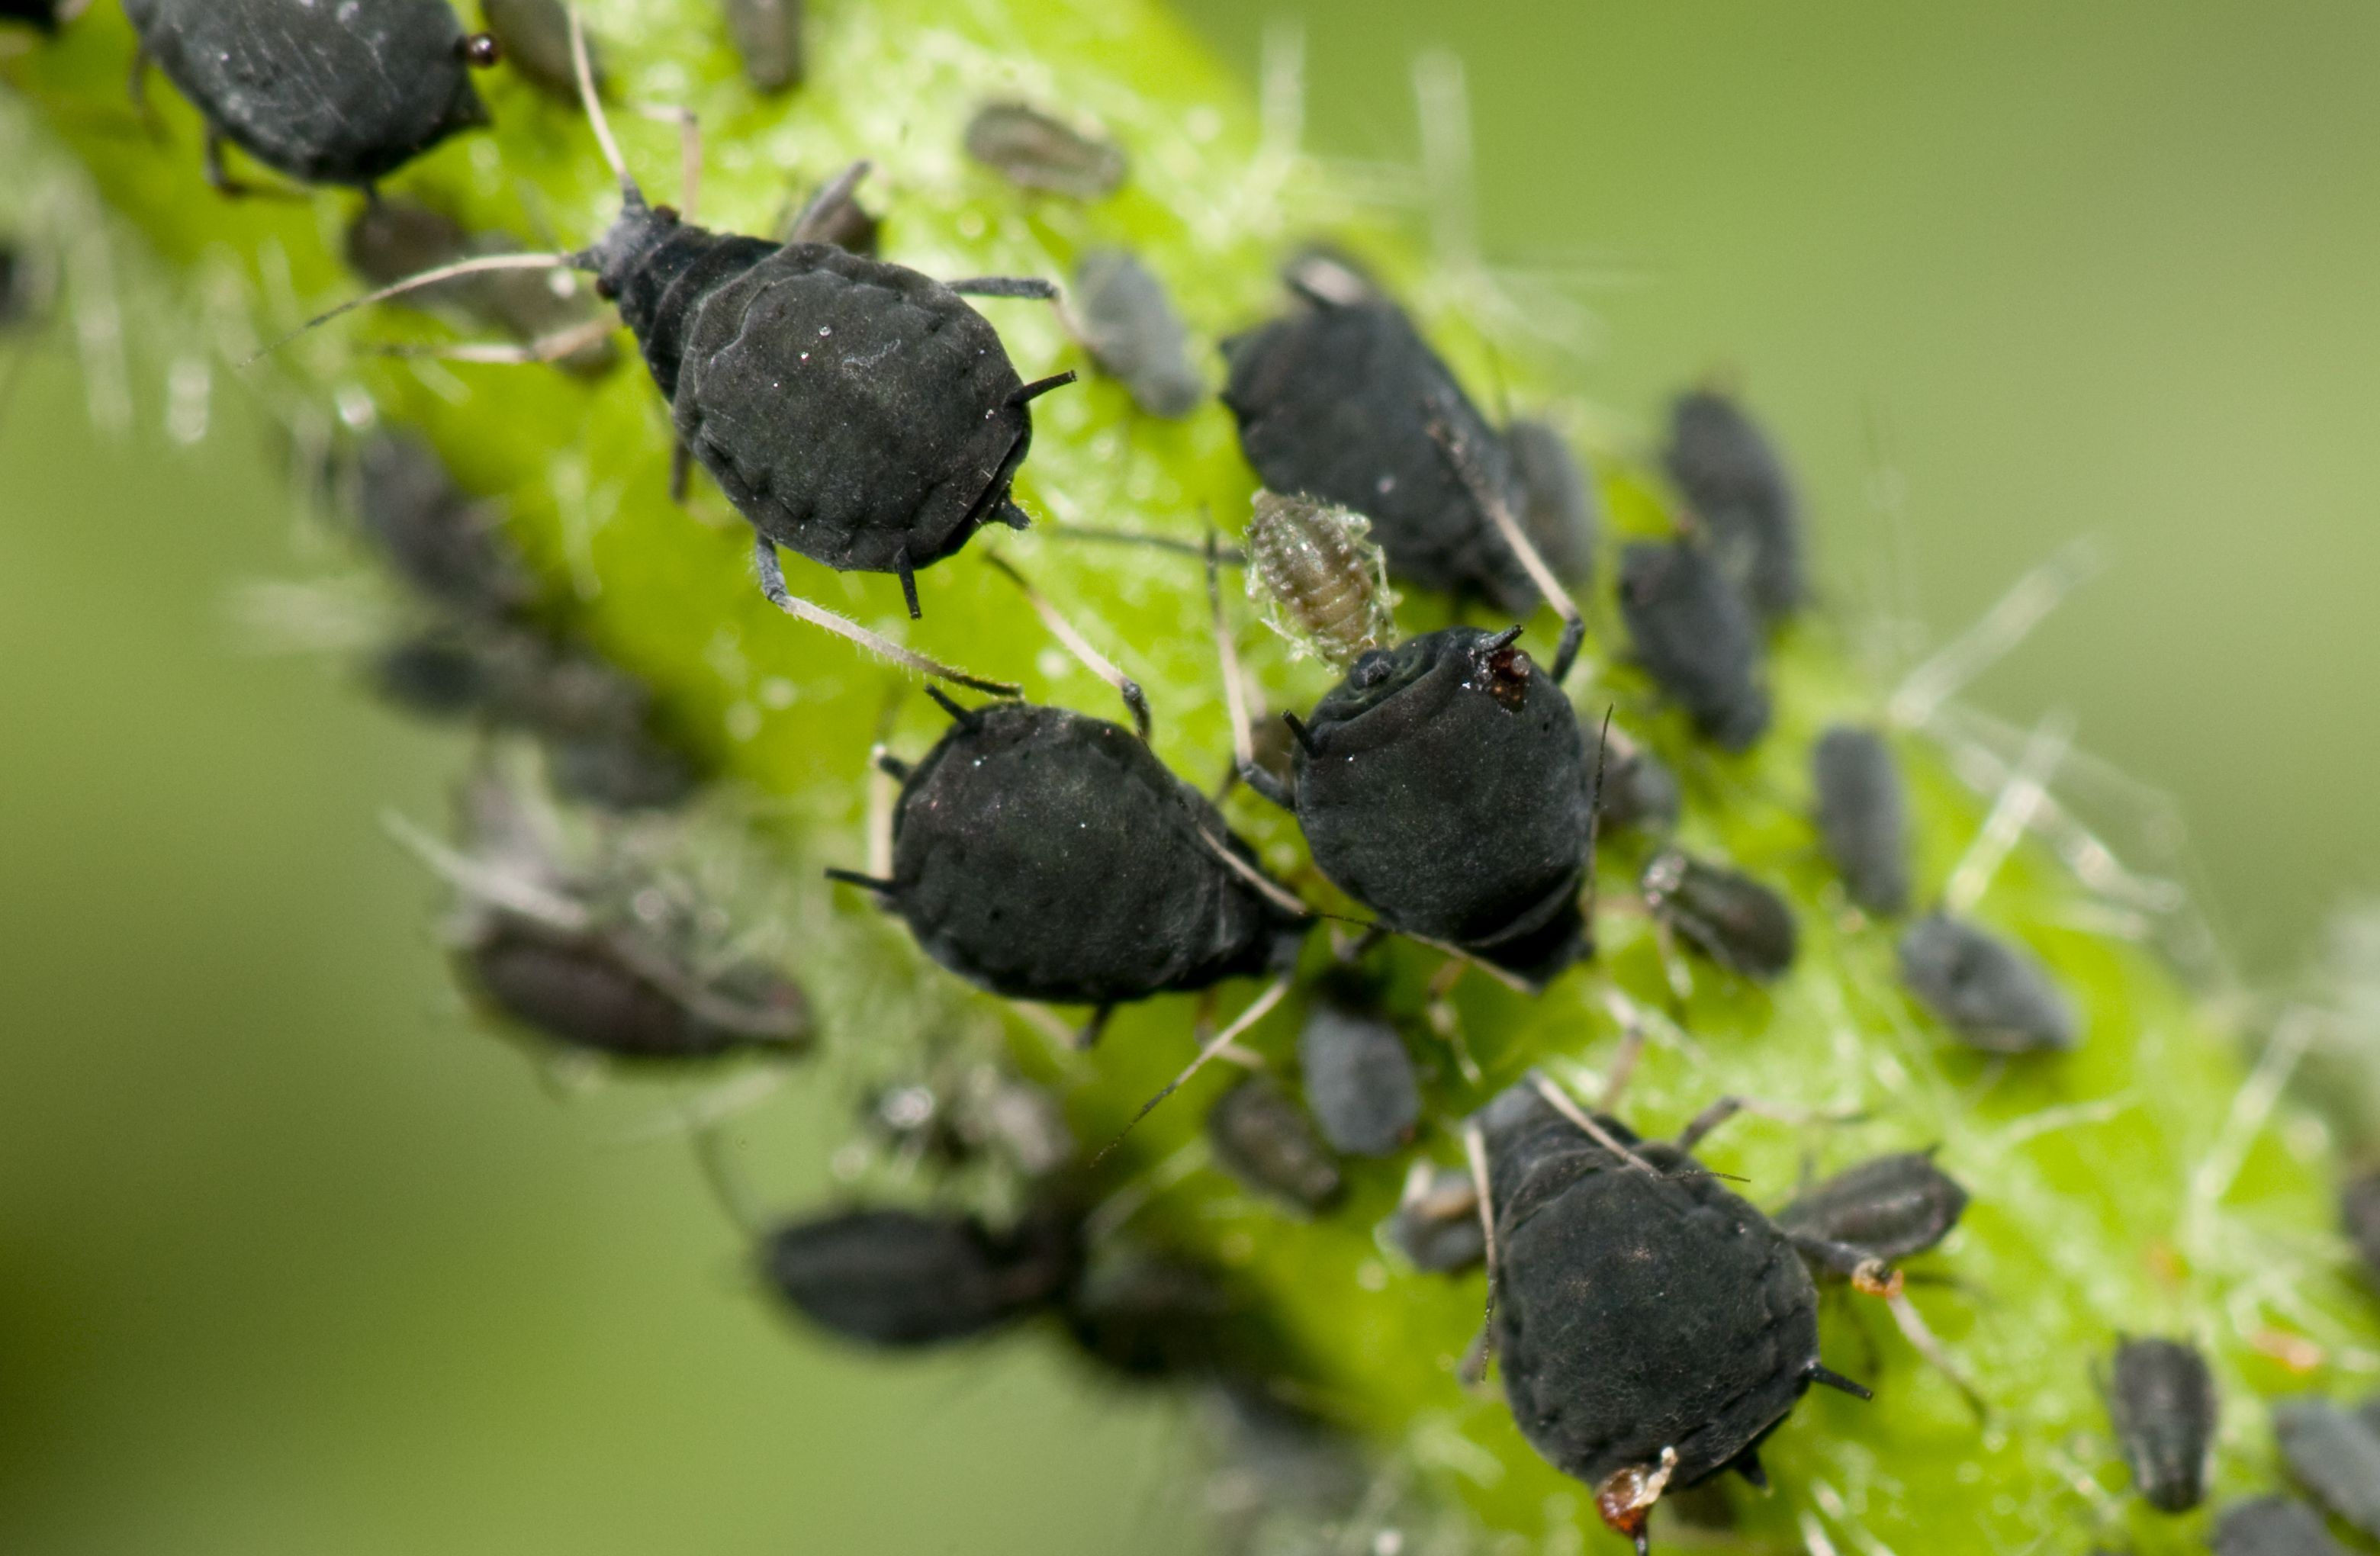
[1079, 646]
[1227, 652]
[1465, 462]
[1652, 1023]
[772, 584]
[2017, 803]
[1563, 1103]
[476, 878]
[1118, 1208]
[1272, 891]
[583, 66]
[432, 277]
[690, 151]
[1504, 976]
[1258, 1008]
[1098, 534]
[552, 348]
[2007, 623]
[1706, 1123]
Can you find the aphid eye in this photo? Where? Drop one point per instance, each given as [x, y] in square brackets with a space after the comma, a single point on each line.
[1373, 668]
[479, 50]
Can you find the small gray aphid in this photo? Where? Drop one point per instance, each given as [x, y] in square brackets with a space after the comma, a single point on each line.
[1891, 1208]
[394, 238]
[1729, 916]
[1437, 1223]
[1696, 639]
[534, 38]
[1321, 582]
[1993, 994]
[1263, 1139]
[2335, 1453]
[619, 993]
[1031, 149]
[1359, 1080]
[900, 1279]
[1862, 816]
[1732, 479]
[768, 33]
[1557, 507]
[2163, 1401]
[1129, 327]
[2273, 1527]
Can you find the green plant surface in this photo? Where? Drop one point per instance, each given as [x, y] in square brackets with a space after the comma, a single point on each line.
[2096, 1210]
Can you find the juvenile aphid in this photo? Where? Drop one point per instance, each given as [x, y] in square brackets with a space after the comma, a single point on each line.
[1653, 1328]
[1035, 152]
[325, 94]
[621, 993]
[1144, 1317]
[1694, 637]
[768, 34]
[1266, 1141]
[1437, 1223]
[1044, 854]
[1731, 918]
[1892, 1207]
[392, 238]
[1558, 506]
[1129, 327]
[1738, 488]
[1444, 786]
[2333, 1453]
[1359, 1080]
[1989, 991]
[450, 548]
[2162, 1400]
[2359, 1210]
[2273, 1527]
[1320, 579]
[906, 1279]
[1638, 790]
[533, 36]
[1862, 816]
[1340, 399]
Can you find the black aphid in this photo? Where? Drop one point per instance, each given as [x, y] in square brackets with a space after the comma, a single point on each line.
[2335, 1453]
[1342, 399]
[1638, 790]
[1321, 580]
[1359, 1080]
[621, 993]
[1738, 488]
[768, 33]
[534, 38]
[1129, 327]
[2273, 1527]
[449, 548]
[1045, 855]
[2359, 1213]
[903, 1278]
[1992, 993]
[392, 238]
[1654, 1327]
[327, 95]
[1891, 1208]
[1031, 149]
[1266, 1142]
[957, 1113]
[1444, 786]
[2162, 1400]
[1695, 637]
[1437, 1223]
[1557, 507]
[1731, 918]
[1862, 816]
[1147, 1317]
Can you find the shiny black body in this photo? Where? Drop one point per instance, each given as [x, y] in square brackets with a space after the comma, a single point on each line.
[1266, 1141]
[2273, 1527]
[1359, 1080]
[1891, 1208]
[612, 992]
[903, 1278]
[1129, 327]
[314, 93]
[1696, 639]
[1992, 993]
[1638, 1310]
[1044, 854]
[1444, 786]
[1738, 488]
[2335, 1453]
[1336, 400]
[1557, 511]
[1862, 816]
[1728, 917]
[854, 411]
[2162, 1400]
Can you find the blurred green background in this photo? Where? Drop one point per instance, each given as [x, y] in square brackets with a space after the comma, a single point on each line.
[291, 1260]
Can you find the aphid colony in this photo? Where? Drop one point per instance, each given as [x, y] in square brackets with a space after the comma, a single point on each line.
[1654, 1326]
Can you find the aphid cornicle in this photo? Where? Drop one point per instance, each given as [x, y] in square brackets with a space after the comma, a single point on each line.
[1891, 1208]
[1993, 994]
[905, 1279]
[1033, 151]
[1342, 399]
[1265, 1140]
[1862, 816]
[1653, 1327]
[768, 33]
[1736, 485]
[1046, 855]
[1359, 1080]
[1129, 327]
[2273, 1527]
[1444, 786]
[2359, 1213]
[2333, 1453]
[2161, 1398]
[326, 94]
[1731, 918]
[1694, 635]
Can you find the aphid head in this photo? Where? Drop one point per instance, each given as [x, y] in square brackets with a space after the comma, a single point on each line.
[628, 244]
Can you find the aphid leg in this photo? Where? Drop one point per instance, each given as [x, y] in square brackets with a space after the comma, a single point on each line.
[819, 215]
[1029, 286]
[1465, 461]
[1874, 1277]
[1087, 1036]
[772, 584]
[485, 883]
[1623, 1064]
[1257, 1009]
[1707, 1122]
[137, 84]
[1447, 1021]
[1560, 1100]
[1076, 644]
[1475, 1360]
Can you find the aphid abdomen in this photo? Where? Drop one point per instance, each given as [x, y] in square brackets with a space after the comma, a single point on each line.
[1320, 578]
[857, 412]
